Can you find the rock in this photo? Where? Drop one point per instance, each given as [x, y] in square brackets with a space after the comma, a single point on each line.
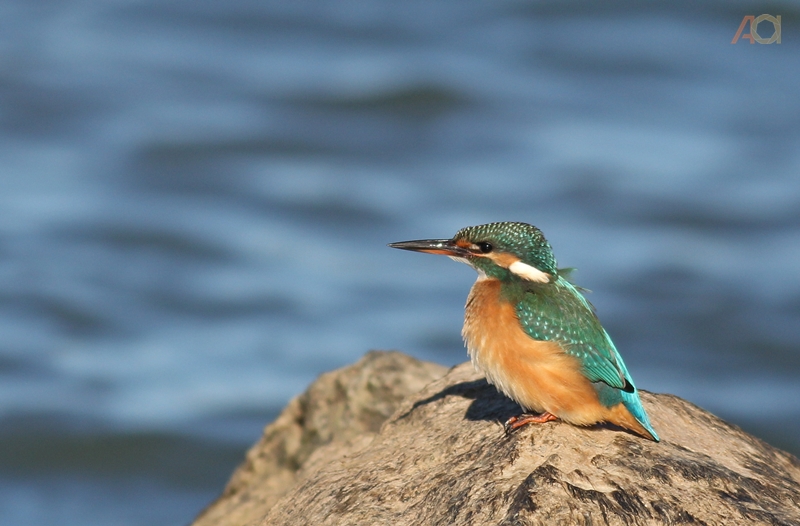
[442, 459]
[339, 406]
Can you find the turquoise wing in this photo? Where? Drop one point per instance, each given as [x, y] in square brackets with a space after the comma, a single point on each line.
[560, 313]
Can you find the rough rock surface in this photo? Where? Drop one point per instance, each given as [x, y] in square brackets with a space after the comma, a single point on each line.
[442, 459]
[339, 406]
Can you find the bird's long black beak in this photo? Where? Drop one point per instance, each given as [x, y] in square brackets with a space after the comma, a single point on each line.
[445, 247]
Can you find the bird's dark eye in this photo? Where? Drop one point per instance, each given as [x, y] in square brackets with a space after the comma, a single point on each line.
[484, 247]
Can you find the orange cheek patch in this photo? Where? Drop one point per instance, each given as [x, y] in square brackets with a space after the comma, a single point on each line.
[503, 259]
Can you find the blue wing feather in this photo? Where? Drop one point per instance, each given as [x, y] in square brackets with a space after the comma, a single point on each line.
[558, 312]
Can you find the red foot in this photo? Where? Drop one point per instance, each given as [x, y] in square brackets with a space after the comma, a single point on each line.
[515, 422]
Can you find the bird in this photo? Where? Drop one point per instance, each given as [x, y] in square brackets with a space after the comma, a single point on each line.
[534, 336]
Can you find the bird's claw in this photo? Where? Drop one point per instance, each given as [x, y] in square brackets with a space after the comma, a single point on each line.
[515, 422]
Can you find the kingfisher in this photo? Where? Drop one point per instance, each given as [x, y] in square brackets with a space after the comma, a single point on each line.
[534, 335]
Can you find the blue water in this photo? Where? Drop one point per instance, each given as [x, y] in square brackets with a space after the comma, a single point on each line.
[196, 196]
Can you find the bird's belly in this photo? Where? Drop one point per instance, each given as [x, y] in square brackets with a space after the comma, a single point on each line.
[538, 375]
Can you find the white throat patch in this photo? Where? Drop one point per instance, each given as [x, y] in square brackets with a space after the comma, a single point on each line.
[481, 274]
[528, 272]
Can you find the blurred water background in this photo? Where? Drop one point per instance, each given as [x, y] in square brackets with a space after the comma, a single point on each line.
[197, 196]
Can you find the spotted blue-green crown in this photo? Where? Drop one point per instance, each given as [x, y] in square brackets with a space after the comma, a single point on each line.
[521, 239]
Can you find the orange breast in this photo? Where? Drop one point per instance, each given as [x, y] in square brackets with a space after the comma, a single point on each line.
[538, 375]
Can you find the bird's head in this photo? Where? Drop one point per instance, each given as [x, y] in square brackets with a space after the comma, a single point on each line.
[498, 250]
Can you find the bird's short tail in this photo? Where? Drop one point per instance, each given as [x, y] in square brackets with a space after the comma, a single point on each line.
[634, 406]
